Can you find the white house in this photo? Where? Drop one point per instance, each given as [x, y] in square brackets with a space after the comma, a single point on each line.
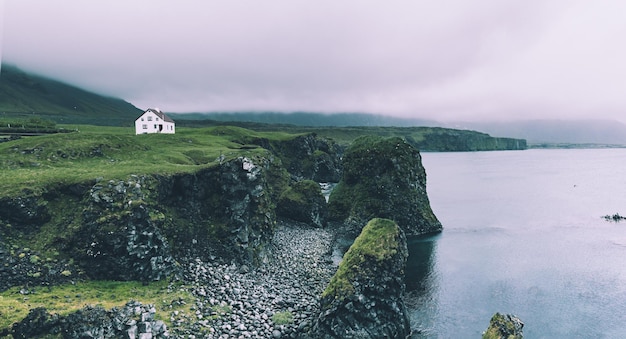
[154, 121]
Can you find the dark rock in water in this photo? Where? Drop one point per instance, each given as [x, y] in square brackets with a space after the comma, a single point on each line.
[92, 322]
[364, 297]
[304, 202]
[504, 326]
[383, 178]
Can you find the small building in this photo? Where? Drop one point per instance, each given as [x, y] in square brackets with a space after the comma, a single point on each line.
[154, 121]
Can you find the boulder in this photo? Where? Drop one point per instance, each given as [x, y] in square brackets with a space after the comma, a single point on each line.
[304, 202]
[383, 178]
[504, 326]
[364, 297]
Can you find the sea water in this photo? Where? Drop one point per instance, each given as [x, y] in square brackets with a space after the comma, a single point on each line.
[524, 233]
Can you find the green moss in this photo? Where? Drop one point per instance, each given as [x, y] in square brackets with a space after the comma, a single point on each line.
[65, 299]
[499, 327]
[378, 241]
[282, 318]
[301, 192]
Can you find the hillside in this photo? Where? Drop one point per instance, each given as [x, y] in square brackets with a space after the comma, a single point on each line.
[308, 119]
[23, 94]
[538, 133]
[423, 138]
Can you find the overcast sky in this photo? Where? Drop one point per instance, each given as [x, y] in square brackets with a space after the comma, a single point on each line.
[443, 60]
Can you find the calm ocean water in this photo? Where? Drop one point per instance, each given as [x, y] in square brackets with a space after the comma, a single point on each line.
[523, 234]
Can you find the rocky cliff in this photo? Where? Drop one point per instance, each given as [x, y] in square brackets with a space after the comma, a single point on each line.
[383, 178]
[137, 228]
[364, 297]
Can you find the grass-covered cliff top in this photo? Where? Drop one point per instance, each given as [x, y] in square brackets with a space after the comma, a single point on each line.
[377, 242]
[45, 162]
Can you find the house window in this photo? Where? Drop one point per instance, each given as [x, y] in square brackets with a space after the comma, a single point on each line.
[141, 119]
[157, 119]
[144, 126]
[149, 118]
[154, 126]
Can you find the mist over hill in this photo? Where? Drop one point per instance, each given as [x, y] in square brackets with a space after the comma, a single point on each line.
[310, 119]
[25, 94]
[555, 131]
[534, 131]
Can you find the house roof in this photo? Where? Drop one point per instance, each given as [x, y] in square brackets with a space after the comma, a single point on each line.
[159, 114]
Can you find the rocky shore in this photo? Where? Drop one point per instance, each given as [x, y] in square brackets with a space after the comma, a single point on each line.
[280, 299]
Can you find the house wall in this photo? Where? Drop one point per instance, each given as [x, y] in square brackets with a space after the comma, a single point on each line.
[150, 122]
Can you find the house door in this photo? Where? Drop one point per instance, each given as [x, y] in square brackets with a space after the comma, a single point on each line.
[160, 128]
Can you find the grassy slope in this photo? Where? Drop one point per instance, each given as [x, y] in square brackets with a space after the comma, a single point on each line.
[65, 299]
[23, 94]
[45, 162]
[424, 138]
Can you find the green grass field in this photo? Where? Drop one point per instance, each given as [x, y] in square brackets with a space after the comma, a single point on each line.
[44, 162]
[68, 298]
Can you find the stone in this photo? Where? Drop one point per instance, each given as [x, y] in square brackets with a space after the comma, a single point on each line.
[383, 178]
[504, 326]
[303, 202]
[371, 273]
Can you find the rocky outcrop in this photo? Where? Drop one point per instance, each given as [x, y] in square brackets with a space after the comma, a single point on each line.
[307, 157]
[226, 211]
[310, 157]
[303, 202]
[26, 211]
[383, 178]
[504, 326]
[364, 297]
[121, 237]
[134, 320]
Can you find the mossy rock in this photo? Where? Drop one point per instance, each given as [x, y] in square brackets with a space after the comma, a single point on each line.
[304, 202]
[364, 297]
[384, 178]
[504, 326]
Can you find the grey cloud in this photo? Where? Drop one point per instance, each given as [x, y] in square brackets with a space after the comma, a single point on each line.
[447, 59]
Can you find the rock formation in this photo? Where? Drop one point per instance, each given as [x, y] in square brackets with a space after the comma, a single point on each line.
[364, 297]
[383, 178]
[137, 227]
[303, 202]
[504, 326]
[121, 236]
[134, 320]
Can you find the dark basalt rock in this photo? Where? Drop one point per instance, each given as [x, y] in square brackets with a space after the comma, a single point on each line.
[383, 178]
[27, 211]
[310, 157]
[303, 202]
[227, 211]
[364, 297]
[504, 326]
[134, 320]
[121, 237]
